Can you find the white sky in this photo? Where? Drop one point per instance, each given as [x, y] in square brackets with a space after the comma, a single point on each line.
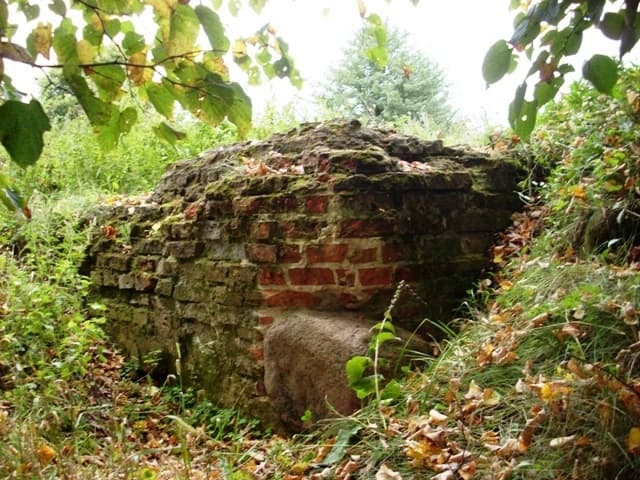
[456, 34]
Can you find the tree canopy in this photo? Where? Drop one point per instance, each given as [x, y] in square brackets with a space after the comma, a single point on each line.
[548, 31]
[104, 50]
[409, 84]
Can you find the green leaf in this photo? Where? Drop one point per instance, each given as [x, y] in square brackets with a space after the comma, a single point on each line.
[384, 337]
[234, 7]
[11, 198]
[31, 12]
[257, 5]
[109, 80]
[64, 42]
[522, 114]
[22, 126]
[602, 72]
[612, 25]
[167, 133]
[573, 43]
[391, 391]
[213, 28]
[58, 7]
[161, 99]
[355, 368]
[112, 27]
[183, 33]
[133, 43]
[339, 448]
[545, 91]
[496, 62]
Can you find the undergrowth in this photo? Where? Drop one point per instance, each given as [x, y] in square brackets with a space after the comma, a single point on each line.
[541, 380]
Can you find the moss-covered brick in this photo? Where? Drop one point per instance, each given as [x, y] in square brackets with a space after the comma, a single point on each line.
[182, 230]
[145, 282]
[366, 228]
[316, 204]
[168, 267]
[302, 229]
[183, 249]
[186, 291]
[261, 252]
[164, 287]
[119, 262]
[126, 281]
[152, 246]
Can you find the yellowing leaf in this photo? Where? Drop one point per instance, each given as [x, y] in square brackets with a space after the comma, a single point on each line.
[506, 284]
[577, 191]
[42, 39]
[45, 454]
[553, 390]
[633, 440]
[138, 72]
[86, 52]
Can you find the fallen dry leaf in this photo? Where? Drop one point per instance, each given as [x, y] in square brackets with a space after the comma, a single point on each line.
[385, 473]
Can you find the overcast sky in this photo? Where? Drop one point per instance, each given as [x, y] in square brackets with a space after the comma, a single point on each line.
[456, 34]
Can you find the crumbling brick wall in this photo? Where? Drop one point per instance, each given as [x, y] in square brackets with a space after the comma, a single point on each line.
[325, 217]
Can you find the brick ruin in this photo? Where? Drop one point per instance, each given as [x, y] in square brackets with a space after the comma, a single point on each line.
[326, 218]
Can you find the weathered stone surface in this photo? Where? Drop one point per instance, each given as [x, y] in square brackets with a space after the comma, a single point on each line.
[305, 353]
[328, 217]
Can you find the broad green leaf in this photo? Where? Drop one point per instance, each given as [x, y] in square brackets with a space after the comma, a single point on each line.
[184, 28]
[11, 198]
[161, 99]
[167, 133]
[109, 80]
[64, 42]
[573, 43]
[22, 126]
[391, 391]
[92, 34]
[602, 72]
[545, 91]
[133, 43]
[384, 337]
[522, 113]
[112, 27]
[58, 7]
[4, 17]
[212, 26]
[339, 448]
[257, 5]
[128, 118]
[496, 62]
[31, 12]
[355, 368]
[97, 111]
[119, 7]
[612, 25]
[234, 7]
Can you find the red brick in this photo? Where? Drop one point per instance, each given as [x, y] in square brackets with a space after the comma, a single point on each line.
[290, 299]
[365, 228]
[288, 253]
[346, 278]
[311, 276]
[335, 253]
[364, 255]
[256, 352]
[269, 276]
[265, 320]
[303, 229]
[376, 276]
[391, 253]
[262, 230]
[261, 252]
[348, 300]
[316, 204]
